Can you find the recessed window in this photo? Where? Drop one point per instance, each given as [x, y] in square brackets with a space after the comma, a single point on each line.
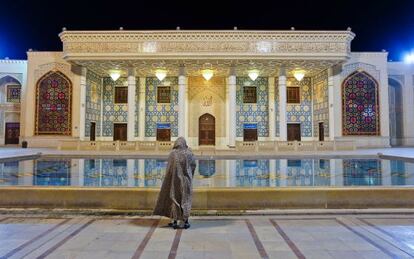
[163, 94]
[13, 93]
[121, 94]
[293, 94]
[249, 94]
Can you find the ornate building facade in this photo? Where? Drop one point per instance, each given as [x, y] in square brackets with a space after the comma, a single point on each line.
[216, 88]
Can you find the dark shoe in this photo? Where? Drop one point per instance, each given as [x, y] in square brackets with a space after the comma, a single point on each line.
[187, 225]
[175, 225]
[171, 224]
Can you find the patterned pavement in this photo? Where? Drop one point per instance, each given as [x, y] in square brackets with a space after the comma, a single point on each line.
[270, 236]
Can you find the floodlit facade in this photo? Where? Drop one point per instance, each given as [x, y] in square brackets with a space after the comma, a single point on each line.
[222, 89]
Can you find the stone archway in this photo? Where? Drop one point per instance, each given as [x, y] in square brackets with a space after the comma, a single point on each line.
[396, 112]
[207, 130]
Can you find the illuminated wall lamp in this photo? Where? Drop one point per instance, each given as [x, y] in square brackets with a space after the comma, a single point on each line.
[409, 58]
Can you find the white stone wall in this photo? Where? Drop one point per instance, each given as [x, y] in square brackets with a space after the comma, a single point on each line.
[10, 112]
[375, 64]
[38, 64]
[403, 73]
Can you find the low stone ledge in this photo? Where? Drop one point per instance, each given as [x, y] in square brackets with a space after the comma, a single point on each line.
[209, 199]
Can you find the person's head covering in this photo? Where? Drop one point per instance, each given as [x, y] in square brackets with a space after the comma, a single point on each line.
[180, 143]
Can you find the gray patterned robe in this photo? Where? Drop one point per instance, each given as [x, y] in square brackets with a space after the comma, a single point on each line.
[175, 197]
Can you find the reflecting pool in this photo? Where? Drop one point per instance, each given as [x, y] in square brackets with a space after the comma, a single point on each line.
[209, 173]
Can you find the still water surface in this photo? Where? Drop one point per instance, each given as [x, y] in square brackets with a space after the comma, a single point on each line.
[209, 173]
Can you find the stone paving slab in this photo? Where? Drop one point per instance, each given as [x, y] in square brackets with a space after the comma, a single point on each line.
[268, 236]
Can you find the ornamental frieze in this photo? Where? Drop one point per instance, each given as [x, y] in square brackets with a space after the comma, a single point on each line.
[271, 44]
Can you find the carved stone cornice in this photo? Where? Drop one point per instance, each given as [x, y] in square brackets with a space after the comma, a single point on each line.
[115, 45]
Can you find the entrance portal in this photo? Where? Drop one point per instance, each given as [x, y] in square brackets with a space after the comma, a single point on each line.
[120, 131]
[92, 132]
[206, 130]
[12, 133]
[293, 132]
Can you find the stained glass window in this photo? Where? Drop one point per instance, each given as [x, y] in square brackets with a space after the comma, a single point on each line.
[360, 109]
[53, 104]
[13, 93]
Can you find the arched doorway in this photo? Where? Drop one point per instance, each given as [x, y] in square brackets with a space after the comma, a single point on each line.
[10, 89]
[207, 130]
[396, 112]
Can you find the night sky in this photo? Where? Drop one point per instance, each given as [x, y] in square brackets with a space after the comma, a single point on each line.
[380, 24]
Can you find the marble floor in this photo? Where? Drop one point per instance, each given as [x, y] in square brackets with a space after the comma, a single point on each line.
[268, 236]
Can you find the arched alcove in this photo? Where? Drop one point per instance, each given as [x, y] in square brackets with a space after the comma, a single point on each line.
[360, 105]
[396, 112]
[53, 104]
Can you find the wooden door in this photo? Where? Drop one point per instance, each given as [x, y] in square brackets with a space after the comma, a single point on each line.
[207, 130]
[92, 131]
[293, 132]
[321, 132]
[12, 133]
[120, 131]
[163, 134]
[249, 134]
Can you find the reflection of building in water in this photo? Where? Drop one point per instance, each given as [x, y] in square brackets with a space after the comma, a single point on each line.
[105, 172]
[154, 171]
[308, 172]
[362, 172]
[9, 173]
[209, 173]
[252, 173]
[207, 168]
[52, 172]
[92, 169]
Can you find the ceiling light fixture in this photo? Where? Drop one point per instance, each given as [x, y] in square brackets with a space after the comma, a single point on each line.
[299, 74]
[253, 74]
[115, 74]
[207, 71]
[161, 73]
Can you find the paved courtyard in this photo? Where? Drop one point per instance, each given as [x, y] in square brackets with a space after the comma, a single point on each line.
[270, 236]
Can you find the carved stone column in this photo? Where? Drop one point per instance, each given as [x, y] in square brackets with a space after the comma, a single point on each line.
[231, 82]
[82, 108]
[141, 109]
[271, 102]
[131, 104]
[331, 91]
[282, 105]
[182, 87]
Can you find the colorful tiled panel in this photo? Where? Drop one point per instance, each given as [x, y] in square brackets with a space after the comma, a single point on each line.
[320, 103]
[160, 112]
[93, 102]
[301, 113]
[112, 112]
[253, 112]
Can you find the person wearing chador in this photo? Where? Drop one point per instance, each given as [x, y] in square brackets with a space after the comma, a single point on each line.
[175, 198]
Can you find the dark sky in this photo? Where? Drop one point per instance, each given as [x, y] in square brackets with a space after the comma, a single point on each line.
[380, 24]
